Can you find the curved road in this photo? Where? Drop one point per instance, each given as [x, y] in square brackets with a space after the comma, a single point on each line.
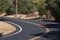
[31, 29]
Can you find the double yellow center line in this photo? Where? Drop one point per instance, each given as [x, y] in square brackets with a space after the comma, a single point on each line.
[39, 25]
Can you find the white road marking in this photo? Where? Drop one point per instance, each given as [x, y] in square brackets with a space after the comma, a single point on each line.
[15, 32]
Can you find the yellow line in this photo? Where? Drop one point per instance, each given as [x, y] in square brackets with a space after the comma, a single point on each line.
[32, 23]
[46, 29]
[35, 38]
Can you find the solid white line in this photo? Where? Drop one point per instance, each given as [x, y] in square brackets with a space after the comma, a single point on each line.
[15, 32]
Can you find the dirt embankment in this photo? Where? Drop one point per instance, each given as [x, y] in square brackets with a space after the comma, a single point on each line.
[25, 16]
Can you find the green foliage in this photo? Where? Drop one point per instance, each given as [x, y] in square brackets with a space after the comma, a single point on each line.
[30, 6]
[3, 5]
[54, 7]
[40, 5]
[11, 10]
[25, 6]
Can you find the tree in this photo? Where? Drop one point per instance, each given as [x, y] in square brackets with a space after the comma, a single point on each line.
[54, 7]
[4, 4]
[41, 6]
[25, 6]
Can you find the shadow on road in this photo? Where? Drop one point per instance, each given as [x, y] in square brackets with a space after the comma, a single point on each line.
[52, 26]
[53, 35]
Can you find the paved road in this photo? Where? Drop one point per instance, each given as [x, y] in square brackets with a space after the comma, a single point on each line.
[31, 30]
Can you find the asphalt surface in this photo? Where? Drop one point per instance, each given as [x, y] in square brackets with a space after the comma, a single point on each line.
[30, 30]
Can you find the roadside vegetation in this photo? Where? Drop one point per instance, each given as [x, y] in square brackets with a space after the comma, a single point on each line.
[46, 8]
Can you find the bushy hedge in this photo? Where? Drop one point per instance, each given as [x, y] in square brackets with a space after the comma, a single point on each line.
[54, 7]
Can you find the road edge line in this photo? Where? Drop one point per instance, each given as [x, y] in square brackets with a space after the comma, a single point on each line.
[13, 33]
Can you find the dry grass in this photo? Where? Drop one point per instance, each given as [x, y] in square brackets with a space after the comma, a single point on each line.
[24, 16]
[6, 28]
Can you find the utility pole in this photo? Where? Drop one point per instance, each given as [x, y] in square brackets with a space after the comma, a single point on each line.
[16, 9]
